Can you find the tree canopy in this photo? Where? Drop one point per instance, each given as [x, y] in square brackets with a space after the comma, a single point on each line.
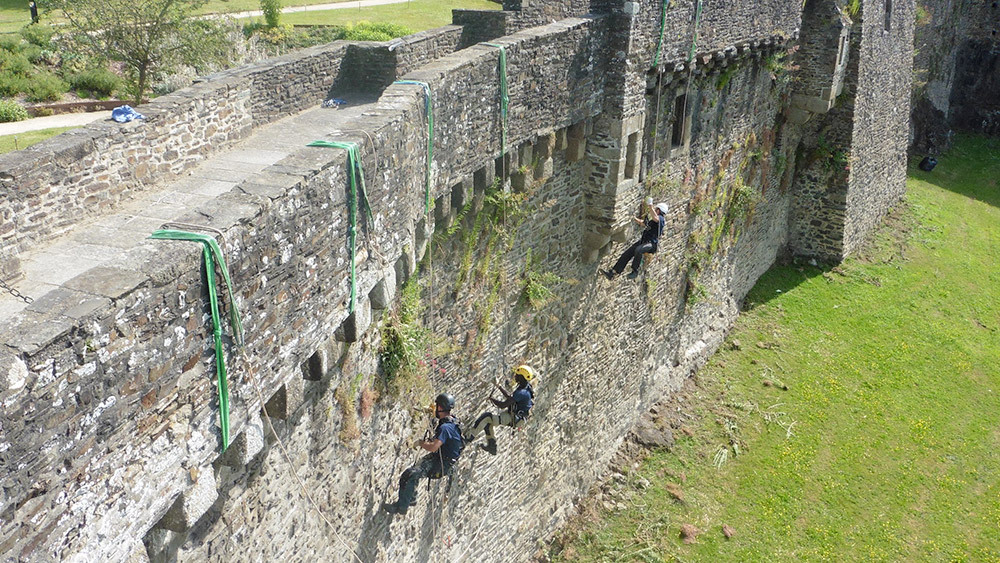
[144, 35]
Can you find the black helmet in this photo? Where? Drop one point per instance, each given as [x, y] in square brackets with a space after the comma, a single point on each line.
[445, 402]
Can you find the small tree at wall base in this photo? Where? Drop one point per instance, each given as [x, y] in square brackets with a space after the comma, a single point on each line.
[272, 12]
[146, 36]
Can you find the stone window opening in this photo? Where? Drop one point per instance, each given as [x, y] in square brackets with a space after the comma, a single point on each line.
[841, 52]
[631, 152]
[679, 132]
[888, 15]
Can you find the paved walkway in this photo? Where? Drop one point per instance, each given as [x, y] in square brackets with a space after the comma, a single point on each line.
[61, 120]
[99, 240]
[316, 7]
[81, 119]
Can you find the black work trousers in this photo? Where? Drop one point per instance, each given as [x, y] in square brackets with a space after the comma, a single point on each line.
[634, 253]
[429, 466]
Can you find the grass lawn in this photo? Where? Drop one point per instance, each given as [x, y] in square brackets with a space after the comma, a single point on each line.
[417, 15]
[886, 444]
[9, 143]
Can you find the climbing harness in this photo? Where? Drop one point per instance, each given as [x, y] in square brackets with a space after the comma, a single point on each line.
[663, 25]
[504, 96]
[212, 254]
[429, 110]
[357, 176]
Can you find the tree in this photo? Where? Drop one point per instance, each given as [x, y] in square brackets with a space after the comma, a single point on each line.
[144, 35]
[272, 12]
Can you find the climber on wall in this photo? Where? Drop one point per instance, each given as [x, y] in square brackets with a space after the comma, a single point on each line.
[517, 407]
[445, 448]
[646, 244]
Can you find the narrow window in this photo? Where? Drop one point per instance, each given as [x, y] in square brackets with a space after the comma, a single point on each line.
[888, 15]
[677, 135]
[630, 155]
[842, 51]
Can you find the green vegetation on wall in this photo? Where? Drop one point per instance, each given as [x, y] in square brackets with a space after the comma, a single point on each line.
[404, 345]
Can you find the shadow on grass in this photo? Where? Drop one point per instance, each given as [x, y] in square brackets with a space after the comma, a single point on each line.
[971, 168]
[780, 279]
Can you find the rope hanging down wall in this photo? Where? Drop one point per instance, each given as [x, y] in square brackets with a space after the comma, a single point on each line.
[429, 109]
[212, 254]
[663, 25]
[504, 96]
[357, 176]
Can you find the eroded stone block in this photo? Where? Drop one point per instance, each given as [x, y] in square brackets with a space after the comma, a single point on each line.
[384, 292]
[356, 323]
[248, 444]
[192, 503]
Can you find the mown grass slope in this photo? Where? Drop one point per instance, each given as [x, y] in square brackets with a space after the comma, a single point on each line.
[885, 446]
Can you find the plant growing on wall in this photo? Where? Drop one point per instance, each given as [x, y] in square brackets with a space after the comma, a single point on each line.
[404, 342]
[781, 65]
[536, 291]
[349, 430]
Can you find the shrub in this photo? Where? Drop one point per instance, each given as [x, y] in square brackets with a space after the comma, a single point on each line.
[272, 12]
[39, 56]
[367, 31]
[14, 63]
[10, 43]
[12, 111]
[38, 34]
[11, 84]
[45, 87]
[99, 82]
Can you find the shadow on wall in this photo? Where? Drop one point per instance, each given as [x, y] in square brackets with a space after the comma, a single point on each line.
[972, 156]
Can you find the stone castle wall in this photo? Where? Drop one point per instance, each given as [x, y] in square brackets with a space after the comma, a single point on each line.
[881, 115]
[956, 64]
[110, 421]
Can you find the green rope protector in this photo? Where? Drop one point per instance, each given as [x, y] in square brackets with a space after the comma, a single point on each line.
[694, 39]
[212, 253]
[429, 109]
[504, 96]
[663, 25]
[357, 175]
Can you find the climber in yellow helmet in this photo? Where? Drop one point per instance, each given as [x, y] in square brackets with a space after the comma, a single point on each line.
[517, 406]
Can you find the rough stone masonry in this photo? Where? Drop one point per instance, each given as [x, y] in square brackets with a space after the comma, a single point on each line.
[770, 128]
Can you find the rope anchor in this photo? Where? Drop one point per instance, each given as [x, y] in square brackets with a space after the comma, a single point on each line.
[212, 254]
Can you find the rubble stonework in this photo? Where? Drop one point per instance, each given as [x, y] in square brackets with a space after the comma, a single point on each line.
[109, 434]
[956, 70]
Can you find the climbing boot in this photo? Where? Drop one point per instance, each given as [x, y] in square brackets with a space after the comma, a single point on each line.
[490, 447]
[633, 274]
[608, 274]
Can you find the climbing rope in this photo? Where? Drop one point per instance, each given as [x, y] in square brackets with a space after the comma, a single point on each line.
[357, 177]
[504, 96]
[690, 61]
[663, 25]
[212, 254]
[288, 460]
[429, 110]
[694, 39]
